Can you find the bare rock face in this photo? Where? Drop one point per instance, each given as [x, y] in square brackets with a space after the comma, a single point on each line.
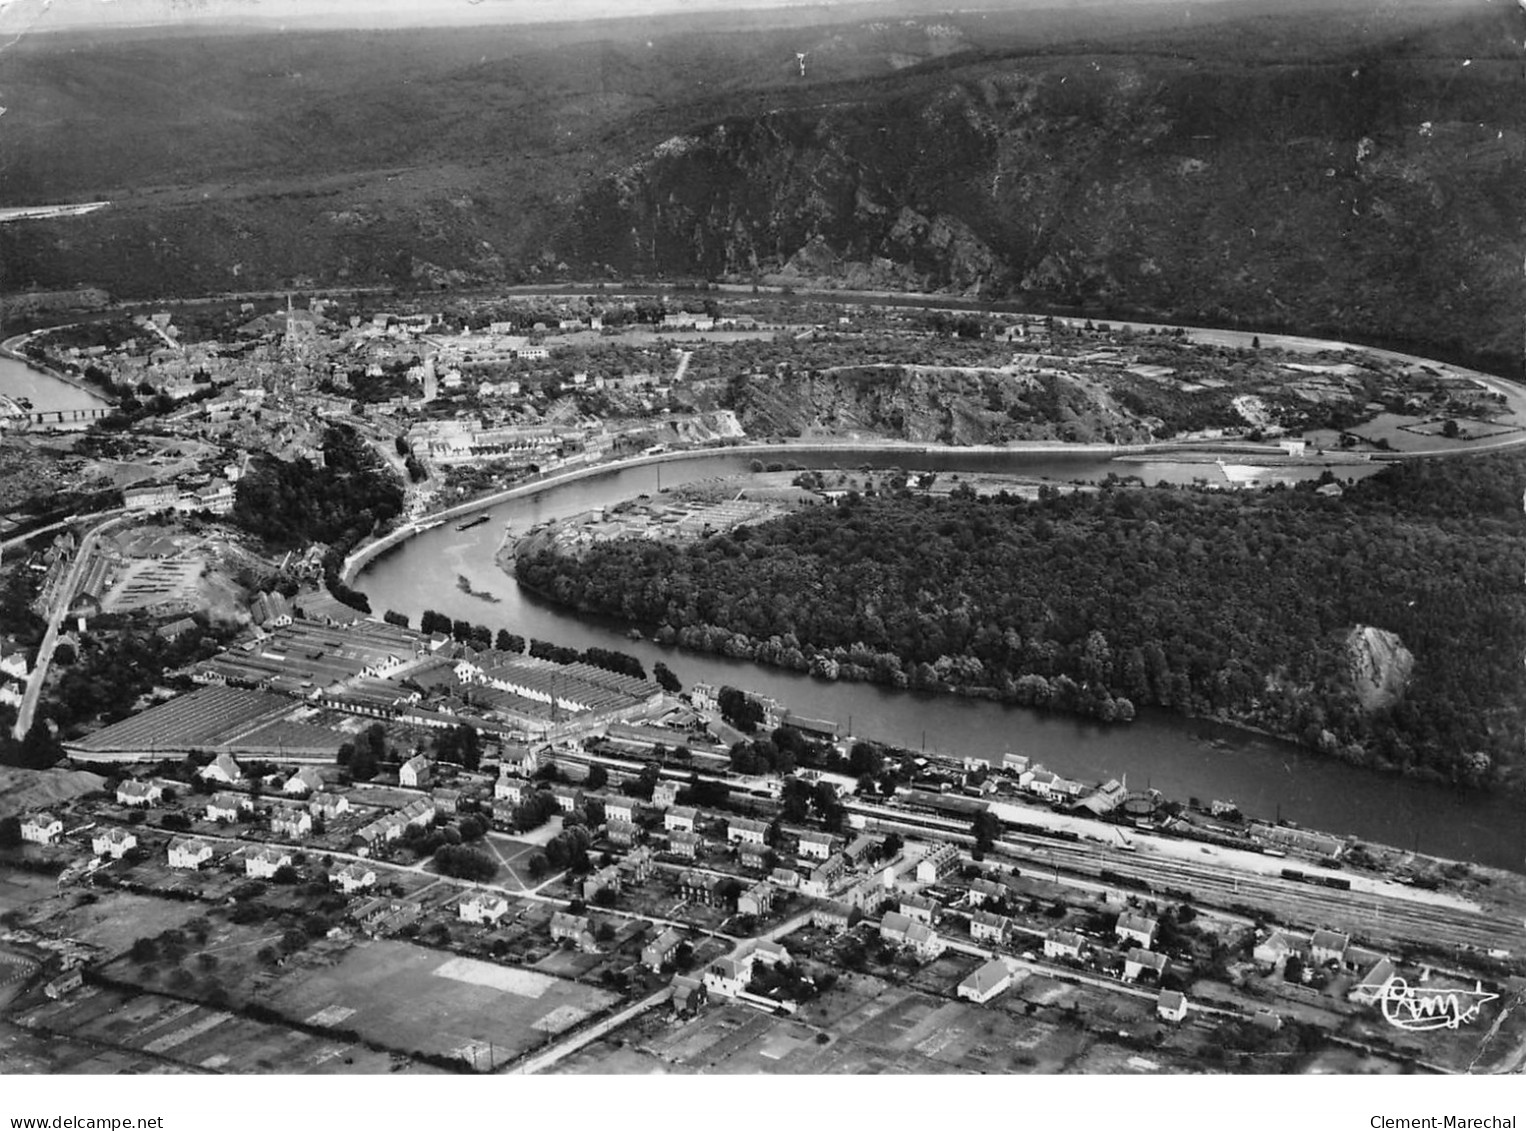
[1380, 666]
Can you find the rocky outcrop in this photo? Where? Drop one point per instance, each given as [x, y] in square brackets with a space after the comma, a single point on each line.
[1379, 666]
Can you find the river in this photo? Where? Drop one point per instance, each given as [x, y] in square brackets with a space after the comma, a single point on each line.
[1182, 757]
[47, 394]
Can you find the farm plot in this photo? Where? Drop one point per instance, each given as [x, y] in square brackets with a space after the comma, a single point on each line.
[153, 1032]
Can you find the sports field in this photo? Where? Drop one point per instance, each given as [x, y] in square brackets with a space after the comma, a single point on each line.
[413, 998]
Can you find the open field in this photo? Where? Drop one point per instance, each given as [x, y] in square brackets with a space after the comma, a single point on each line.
[513, 855]
[110, 924]
[425, 1001]
[23, 790]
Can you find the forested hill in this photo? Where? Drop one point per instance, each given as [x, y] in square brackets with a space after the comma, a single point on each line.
[1311, 166]
[1237, 605]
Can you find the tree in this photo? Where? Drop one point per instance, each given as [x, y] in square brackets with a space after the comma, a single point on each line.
[865, 758]
[144, 951]
[598, 777]
[740, 709]
[665, 678]
[39, 749]
[987, 828]
[465, 863]
[399, 619]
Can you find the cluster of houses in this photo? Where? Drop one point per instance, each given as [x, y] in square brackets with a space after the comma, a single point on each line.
[1328, 950]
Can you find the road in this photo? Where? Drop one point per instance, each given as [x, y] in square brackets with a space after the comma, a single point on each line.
[61, 524]
[562, 1049]
[55, 619]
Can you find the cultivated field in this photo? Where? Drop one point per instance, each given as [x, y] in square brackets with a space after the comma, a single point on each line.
[147, 1032]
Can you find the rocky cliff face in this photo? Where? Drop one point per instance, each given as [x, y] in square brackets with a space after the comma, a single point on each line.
[1379, 666]
[1358, 194]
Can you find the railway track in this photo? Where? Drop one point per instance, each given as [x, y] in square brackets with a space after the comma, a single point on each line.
[1372, 917]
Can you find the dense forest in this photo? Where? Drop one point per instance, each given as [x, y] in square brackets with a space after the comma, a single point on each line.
[341, 502]
[1232, 605]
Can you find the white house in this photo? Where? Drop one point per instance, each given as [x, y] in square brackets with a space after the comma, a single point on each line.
[576, 929]
[113, 842]
[42, 828]
[817, 846]
[1327, 947]
[228, 806]
[521, 760]
[1137, 961]
[728, 976]
[188, 852]
[291, 822]
[665, 794]
[354, 878]
[1277, 947]
[483, 908]
[511, 790]
[1062, 944]
[328, 805]
[303, 782]
[1014, 763]
[924, 941]
[222, 769]
[414, 773]
[986, 982]
[660, 949]
[1171, 1006]
[937, 864]
[902, 930]
[756, 900]
[679, 819]
[139, 793]
[420, 813]
[1136, 928]
[620, 808]
[264, 863]
[740, 830]
[986, 927]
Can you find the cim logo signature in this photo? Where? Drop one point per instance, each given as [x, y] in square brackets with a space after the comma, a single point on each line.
[1419, 1011]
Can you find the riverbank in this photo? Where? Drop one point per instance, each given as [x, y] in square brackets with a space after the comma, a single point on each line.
[365, 553]
[11, 349]
[1204, 452]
